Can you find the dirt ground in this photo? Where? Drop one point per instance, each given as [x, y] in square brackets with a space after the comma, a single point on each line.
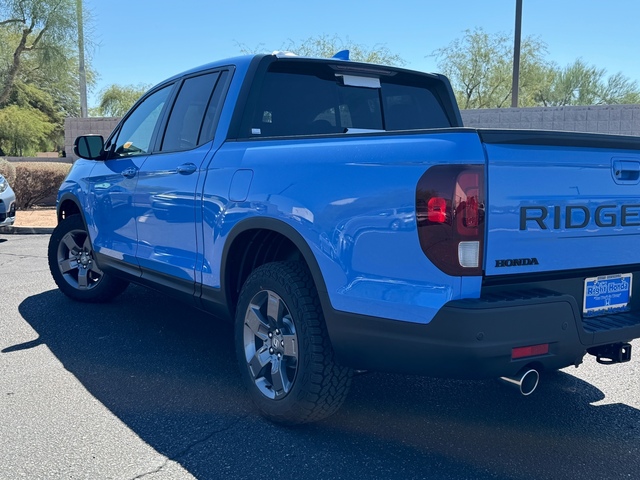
[36, 217]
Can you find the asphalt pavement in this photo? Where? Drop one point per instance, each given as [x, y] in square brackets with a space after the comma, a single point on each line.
[146, 387]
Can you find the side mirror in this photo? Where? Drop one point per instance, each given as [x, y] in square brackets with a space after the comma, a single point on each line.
[90, 147]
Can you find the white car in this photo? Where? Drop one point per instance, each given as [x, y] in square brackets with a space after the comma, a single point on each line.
[7, 203]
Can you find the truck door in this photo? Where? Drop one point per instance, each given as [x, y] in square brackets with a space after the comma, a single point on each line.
[166, 192]
[113, 181]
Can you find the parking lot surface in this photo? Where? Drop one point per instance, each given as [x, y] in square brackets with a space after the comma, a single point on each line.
[146, 387]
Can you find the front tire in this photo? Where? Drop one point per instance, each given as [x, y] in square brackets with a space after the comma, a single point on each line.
[285, 356]
[73, 267]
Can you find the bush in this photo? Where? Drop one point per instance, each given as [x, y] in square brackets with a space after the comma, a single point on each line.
[37, 181]
[8, 171]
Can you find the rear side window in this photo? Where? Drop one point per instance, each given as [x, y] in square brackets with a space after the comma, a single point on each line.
[298, 98]
[410, 107]
[188, 113]
[215, 104]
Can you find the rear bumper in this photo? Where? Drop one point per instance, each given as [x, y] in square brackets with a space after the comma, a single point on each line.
[475, 338]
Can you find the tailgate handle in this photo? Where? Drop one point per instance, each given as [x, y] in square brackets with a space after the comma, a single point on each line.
[626, 171]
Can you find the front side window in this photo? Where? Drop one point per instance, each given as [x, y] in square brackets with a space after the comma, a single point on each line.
[136, 132]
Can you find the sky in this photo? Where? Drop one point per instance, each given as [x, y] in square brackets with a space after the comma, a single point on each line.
[146, 41]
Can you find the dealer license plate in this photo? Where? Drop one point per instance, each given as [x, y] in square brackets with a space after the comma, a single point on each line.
[607, 294]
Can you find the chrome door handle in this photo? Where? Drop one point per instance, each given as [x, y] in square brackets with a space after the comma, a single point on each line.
[129, 172]
[187, 169]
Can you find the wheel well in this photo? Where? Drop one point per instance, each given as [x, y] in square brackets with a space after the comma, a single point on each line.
[67, 208]
[251, 249]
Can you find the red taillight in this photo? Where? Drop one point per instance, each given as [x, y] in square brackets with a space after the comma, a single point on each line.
[450, 213]
[530, 351]
[467, 194]
[472, 212]
[437, 210]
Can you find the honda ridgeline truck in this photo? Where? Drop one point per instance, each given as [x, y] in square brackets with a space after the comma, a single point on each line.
[341, 215]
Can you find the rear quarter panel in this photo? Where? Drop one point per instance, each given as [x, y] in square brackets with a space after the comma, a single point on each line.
[353, 201]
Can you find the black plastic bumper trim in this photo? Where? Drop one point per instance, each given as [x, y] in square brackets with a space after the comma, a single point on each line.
[473, 338]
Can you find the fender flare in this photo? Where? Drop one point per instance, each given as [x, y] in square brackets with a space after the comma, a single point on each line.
[68, 196]
[287, 231]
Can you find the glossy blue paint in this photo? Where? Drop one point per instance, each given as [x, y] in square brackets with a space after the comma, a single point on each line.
[521, 176]
[347, 200]
[110, 211]
[353, 201]
[240, 184]
[165, 205]
[75, 184]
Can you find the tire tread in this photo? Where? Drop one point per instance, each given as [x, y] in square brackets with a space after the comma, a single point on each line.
[109, 286]
[325, 383]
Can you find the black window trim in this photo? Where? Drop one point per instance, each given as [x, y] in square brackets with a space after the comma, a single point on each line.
[157, 143]
[230, 69]
[175, 84]
[165, 121]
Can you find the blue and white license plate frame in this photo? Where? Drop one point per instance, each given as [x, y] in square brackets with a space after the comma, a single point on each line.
[607, 294]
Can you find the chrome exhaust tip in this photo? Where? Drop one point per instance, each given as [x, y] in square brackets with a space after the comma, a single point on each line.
[526, 383]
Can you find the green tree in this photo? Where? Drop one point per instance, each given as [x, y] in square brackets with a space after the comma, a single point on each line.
[39, 64]
[40, 29]
[23, 130]
[480, 64]
[326, 46]
[582, 84]
[116, 100]
[29, 97]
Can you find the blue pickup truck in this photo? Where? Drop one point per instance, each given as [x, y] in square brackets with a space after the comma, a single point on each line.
[344, 219]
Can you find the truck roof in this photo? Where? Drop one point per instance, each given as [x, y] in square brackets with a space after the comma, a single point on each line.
[242, 63]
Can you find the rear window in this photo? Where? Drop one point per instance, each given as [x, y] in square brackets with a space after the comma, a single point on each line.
[298, 98]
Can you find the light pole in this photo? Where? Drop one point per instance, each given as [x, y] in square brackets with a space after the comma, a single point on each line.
[81, 70]
[516, 56]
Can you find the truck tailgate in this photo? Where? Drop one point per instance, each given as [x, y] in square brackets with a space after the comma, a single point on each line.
[561, 201]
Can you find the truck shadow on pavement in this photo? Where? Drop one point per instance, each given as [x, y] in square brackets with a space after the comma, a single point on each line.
[169, 373]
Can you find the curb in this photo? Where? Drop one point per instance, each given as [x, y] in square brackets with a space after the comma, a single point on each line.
[12, 230]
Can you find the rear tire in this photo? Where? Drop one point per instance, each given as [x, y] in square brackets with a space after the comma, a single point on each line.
[285, 356]
[74, 268]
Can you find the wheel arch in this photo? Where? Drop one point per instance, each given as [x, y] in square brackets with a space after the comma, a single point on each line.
[69, 205]
[256, 241]
[70, 258]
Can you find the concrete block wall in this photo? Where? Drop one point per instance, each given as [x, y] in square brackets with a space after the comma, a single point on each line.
[613, 119]
[74, 127]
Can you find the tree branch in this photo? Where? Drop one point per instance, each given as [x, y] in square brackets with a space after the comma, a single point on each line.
[15, 66]
[11, 20]
[37, 39]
